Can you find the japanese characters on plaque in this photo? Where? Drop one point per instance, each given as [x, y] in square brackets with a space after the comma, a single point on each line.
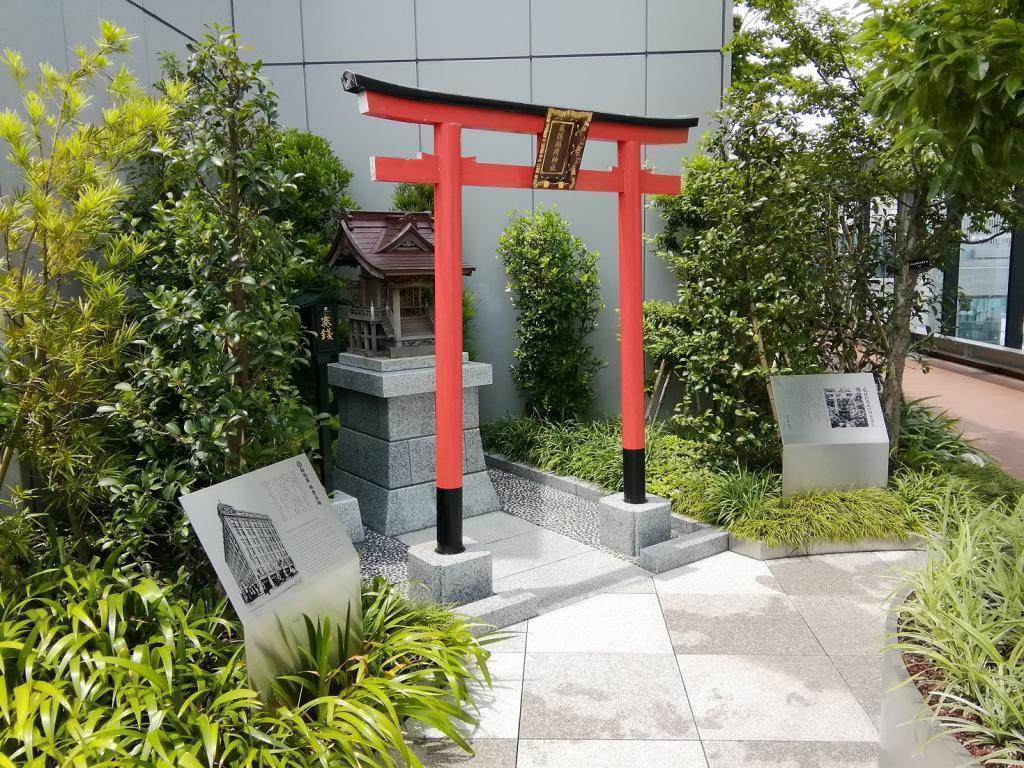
[561, 148]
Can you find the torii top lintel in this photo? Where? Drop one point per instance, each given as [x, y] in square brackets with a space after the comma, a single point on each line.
[402, 103]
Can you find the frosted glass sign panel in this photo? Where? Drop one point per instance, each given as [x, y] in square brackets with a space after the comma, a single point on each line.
[281, 553]
[833, 432]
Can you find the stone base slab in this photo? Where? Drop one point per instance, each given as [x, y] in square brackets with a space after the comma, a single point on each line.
[400, 510]
[398, 418]
[759, 550]
[449, 579]
[683, 550]
[501, 610]
[397, 463]
[628, 528]
[347, 508]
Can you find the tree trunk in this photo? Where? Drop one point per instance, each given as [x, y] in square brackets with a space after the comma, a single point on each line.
[904, 291]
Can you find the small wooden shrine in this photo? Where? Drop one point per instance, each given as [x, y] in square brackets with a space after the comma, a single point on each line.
[392, 312]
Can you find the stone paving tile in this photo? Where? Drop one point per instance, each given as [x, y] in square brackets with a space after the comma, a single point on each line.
[513, 639]
[566, 581]
[783, 698]
[608, 753]
[737, 624]
[604, 696]
[777, 754]
[488, 753]
[608, 623]
[478, 529]
[844, 626]
[861, 574]
[864, 676]
[724, 574]
[498, 715]
[529, 550]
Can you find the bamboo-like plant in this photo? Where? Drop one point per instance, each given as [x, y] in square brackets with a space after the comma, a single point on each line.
[63, 289]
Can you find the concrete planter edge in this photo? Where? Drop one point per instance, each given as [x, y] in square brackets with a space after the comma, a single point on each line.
[909, 734]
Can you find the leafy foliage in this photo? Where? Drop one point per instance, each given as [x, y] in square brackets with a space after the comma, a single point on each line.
[107, 667]
[413, 198]
[552, 277]
[211, 392]
[949, 75]
[964, 622]
[64, 274]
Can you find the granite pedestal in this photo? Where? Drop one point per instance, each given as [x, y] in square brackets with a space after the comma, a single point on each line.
[385, 450]
[628, 528]
[449, 579]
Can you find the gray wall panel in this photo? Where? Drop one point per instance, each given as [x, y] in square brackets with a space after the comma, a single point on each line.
[290, 88]
[358, 30]
[192, 17]
[588, 26]
[495, 28]
[684, 25]
[273, 29]
[334, 114]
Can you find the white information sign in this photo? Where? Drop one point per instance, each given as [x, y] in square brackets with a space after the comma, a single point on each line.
[833, 432]
[281, 553]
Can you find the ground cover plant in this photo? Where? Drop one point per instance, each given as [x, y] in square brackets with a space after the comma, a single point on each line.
[747, 501]
[104, 666]
[962, 628]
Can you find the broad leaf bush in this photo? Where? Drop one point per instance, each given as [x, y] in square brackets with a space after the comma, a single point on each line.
[552, 277]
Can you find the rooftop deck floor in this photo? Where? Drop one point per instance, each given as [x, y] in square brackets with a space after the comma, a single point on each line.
[990, 406]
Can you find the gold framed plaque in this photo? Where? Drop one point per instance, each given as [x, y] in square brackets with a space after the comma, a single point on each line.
[561, 148]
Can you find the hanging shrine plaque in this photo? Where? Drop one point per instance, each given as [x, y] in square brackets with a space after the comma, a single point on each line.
[833, 432]
[561, 148]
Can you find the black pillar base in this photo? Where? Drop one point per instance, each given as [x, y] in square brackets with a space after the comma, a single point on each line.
[449, 521]
[633, 488]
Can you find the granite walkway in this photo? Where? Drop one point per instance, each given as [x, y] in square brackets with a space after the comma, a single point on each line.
[725, 662]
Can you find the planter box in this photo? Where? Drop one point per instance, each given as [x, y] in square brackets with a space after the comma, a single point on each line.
[759, 550]
[910, 735]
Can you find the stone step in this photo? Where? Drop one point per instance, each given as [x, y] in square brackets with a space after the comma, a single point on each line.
[501, 610]
[683, 550]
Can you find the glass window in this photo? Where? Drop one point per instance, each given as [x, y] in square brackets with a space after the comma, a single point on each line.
[984, 281]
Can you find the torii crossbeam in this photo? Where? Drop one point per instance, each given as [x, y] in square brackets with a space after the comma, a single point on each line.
[449, 172]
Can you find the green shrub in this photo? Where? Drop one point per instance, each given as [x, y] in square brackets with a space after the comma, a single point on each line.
[414, 198]
[930, 438]
[964, 623]
[65, 321]
[552, 277]
[105, 667]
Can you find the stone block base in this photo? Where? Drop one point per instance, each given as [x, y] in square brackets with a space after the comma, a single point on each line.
[347, 508]
[628, 528]
[449, 579]
[396, 511]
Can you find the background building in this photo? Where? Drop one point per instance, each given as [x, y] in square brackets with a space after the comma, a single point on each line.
[654, 57]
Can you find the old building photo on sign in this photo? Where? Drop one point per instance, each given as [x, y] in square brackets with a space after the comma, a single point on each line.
[847, 407]
[254, 552]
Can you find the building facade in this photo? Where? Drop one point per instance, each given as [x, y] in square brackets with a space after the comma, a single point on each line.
[254, 552]
[644, 57]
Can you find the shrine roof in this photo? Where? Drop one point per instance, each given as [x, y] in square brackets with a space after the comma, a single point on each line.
[386, 244]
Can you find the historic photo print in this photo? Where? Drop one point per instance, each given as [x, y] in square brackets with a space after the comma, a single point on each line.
[254, 552]
[847, 407]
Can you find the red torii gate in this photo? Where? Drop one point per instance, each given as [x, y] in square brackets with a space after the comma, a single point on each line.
[449, 172]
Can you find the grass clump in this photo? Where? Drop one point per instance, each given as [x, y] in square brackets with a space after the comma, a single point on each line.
[935, 463]
[104, 666]
[962, 629]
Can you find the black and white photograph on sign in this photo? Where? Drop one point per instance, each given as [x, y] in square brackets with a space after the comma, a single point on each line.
[846, 407]
[254, 553]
